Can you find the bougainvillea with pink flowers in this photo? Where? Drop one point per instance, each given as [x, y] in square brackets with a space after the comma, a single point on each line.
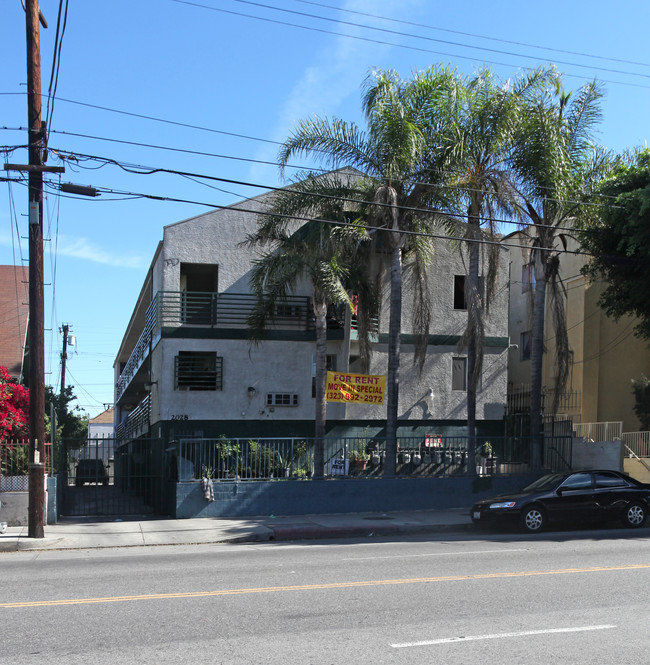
[14, 407]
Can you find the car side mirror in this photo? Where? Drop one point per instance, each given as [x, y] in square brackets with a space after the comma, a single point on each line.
[559, 491]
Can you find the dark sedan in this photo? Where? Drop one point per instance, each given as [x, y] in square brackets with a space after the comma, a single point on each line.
[575, 497]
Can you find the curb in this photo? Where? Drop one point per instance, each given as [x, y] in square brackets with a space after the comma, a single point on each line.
[275, 533]
[319, 532]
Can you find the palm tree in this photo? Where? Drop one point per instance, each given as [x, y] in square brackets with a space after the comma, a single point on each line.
[482, 171]
[296, 249]
[557, 163]
[396, 158]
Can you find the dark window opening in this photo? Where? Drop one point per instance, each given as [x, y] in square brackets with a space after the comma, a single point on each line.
[459, 374]
[198, 370]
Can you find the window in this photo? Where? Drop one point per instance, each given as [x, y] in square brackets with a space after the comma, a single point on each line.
[524, 345]
[198, 370]
[281, 399]
[287, 311]
[609, 480]
[578, 481]
[459, 373]
[459, 292]
[330, 366]
[527, 277]
[460, 299]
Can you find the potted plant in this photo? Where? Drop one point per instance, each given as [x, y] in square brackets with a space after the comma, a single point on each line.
[487, 459]
[358, 456]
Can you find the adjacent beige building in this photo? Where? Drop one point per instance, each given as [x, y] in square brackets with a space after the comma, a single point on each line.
[606, 355]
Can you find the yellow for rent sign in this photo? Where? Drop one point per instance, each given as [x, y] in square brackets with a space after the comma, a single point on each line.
[355, 388]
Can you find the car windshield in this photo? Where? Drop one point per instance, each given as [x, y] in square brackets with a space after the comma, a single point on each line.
[545, 483]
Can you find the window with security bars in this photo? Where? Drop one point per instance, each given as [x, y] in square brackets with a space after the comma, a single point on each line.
[281, 399]
[198, 370]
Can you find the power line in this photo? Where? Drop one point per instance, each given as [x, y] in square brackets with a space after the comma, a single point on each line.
[269, 163]
[56, 60]
[470, 34]
[146, 170]
[414, 36]
[298, 218]
[404, 46]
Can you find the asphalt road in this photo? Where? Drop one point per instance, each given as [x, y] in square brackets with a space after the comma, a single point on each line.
[553, 598]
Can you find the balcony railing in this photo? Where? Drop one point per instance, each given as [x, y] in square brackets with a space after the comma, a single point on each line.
[228, 310]
[137, 422]
[170, 309]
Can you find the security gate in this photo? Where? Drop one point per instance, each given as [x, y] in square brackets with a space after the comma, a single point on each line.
[110, 477]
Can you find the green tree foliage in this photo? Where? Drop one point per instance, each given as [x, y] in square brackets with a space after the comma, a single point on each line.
[618, 237]
[558, 164]
[321, 252]
[487, 130]
[72, 423]
[400, 154]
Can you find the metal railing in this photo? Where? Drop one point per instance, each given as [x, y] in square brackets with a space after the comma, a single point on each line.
[14, 464]
[637, 442]
[518, 399]
[597, 432]
[141, 349]
[216, 310]
[293, 458]
[228, 310]
[137, 422]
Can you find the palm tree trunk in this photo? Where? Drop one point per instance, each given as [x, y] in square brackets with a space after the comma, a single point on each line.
[394, 348]
[320, 416]
[473, 312]
[536, 361]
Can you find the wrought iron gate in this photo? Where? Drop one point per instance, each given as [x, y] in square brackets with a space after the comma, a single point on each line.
[102, 477]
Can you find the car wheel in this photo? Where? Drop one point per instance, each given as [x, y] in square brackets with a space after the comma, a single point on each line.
[532, 519]
[635, 515]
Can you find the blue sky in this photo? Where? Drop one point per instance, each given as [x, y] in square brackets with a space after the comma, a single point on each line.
[231, 78]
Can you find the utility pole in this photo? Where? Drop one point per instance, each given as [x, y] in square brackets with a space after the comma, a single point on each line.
[64, 356]
[36, 340]
[36, 140]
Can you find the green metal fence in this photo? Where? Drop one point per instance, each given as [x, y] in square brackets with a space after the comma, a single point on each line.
[293, 458]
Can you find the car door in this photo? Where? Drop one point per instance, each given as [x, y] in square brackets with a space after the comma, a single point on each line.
[612, 493]
[573, 501]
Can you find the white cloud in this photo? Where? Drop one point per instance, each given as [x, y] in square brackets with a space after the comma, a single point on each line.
[81, 248]
[339, 72]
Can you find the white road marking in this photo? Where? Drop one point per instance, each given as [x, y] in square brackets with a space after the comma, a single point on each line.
[414, 556]
[496, 636]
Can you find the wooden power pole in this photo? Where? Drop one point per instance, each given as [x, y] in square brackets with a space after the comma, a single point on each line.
[36, 339]
[36, 307]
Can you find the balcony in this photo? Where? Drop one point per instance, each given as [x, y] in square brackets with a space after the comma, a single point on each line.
[176, 309]
[137, 422]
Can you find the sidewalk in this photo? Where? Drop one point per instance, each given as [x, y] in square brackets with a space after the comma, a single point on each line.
[69, 534]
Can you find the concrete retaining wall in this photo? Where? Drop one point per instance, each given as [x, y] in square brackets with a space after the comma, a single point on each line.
[15, 506]
[597, 455]
[277, 497]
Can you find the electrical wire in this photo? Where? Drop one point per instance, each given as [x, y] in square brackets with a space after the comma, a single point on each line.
[422, 37]
[238, 208]
[56, 61]
[397, 45]
[473, 35]
[147, 170]
[293, 166]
